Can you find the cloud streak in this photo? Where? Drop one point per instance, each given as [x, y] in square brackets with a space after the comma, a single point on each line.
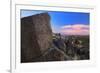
[76, 29]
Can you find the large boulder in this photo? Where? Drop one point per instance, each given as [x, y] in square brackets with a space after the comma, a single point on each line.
[36, 36]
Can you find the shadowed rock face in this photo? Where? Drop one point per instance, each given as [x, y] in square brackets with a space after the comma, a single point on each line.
[36, 36]
[38, 45]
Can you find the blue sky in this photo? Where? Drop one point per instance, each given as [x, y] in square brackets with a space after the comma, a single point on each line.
[60, 20]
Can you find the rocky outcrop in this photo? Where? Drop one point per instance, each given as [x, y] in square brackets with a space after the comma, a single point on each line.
[39, 45]
[36, 36]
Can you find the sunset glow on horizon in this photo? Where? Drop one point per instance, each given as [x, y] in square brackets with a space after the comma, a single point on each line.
[76, 29]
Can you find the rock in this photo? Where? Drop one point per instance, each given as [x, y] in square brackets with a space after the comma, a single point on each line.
[36, 36]
[60, 44]
[54, 55]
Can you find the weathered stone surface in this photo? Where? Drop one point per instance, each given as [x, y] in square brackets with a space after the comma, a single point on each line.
[36, 36]
[39, 45]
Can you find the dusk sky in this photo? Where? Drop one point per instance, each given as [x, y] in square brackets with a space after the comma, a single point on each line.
[67, 23]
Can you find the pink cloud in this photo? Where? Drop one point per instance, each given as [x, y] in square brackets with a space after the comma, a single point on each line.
[76, 29]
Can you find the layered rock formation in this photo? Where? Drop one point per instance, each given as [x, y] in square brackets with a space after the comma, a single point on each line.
[36, 36]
